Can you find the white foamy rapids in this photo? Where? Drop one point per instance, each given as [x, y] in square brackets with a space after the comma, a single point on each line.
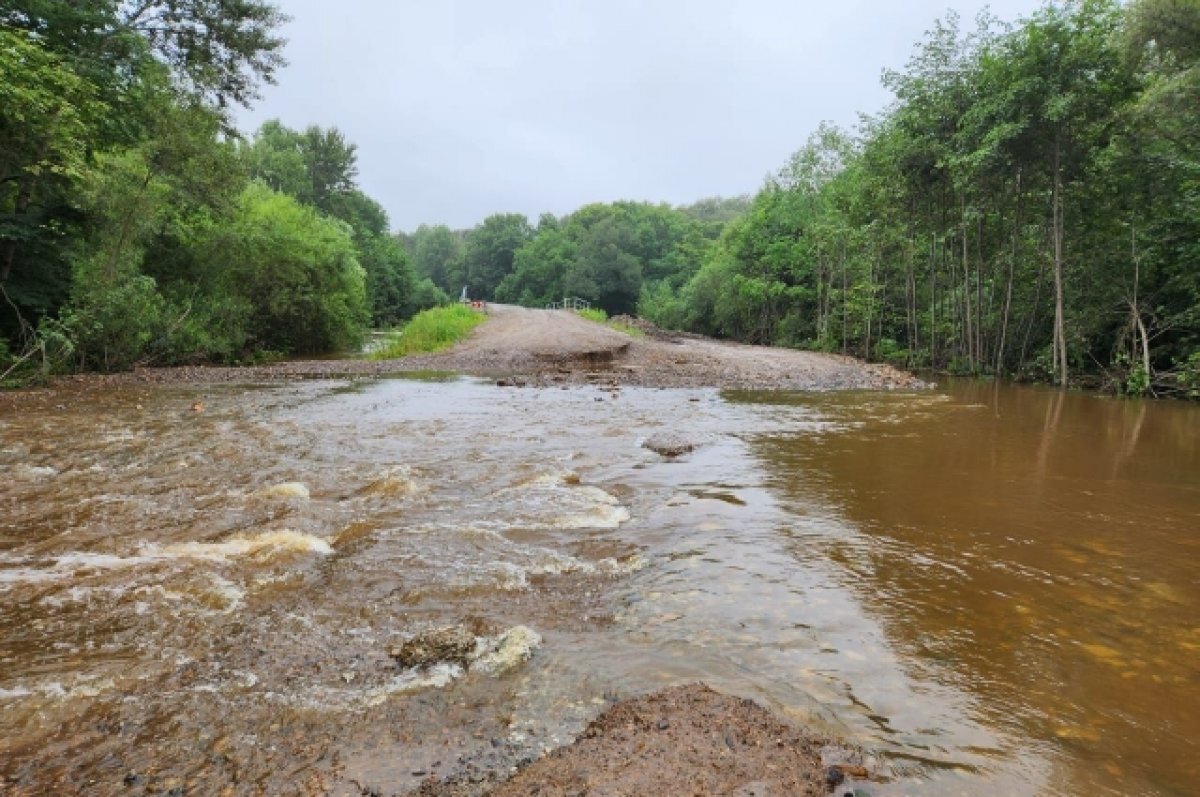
[435, 677]
[84, 687]
[623, 566]
[34, 473]
[558, 500]
[284, 490]
[265, 545]
[63, 566]
[215, 595]
[493, 656]
[394, 482]
[499, 654]
[521, 561]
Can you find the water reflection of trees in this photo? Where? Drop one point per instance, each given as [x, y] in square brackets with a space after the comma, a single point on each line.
[1031, 546]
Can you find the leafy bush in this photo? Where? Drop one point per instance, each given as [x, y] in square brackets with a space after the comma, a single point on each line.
[115, 325]
[426, 295]
[891, 352]
[662, 306]
[1189, 375]
[296, 272]
[431, 330]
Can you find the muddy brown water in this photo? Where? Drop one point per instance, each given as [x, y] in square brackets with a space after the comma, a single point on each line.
[994, 589]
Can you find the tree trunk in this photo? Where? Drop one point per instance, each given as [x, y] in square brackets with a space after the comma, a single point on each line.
[1060, 338]
[932, 301]
[910, 305]
[968, 331]
[1008, 289]
[845, 329]
[1133, 305]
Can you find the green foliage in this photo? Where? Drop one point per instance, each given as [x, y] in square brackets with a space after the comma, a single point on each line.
[217, 51]
[427, 295]
[114, 170]
[604, 254]
[438, 256]
[116, 323]
[1028, 204]
[297, 270]
[491, 251]
[318, 168]
[627, 329]
[431, 330]
[1189, 375]
[593, 314]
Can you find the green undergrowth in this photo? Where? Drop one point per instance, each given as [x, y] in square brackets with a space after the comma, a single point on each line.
[601, 317]
[431, 330]
[631, 331]
[594, 314]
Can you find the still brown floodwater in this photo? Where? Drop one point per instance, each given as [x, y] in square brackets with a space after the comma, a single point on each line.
[993, 588]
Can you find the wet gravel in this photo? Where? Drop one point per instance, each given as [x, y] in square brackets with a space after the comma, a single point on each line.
[683, 740]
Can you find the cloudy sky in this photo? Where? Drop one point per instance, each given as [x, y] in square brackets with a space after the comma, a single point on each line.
[463, 109]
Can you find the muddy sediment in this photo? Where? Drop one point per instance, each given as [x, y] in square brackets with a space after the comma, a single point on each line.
[682, 740]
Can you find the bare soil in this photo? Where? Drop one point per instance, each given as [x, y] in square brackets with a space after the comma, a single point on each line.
[545, 347]
[686, 740]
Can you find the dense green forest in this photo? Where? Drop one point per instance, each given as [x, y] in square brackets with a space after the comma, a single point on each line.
[137, 227]
[1029, 206]
[605, 253]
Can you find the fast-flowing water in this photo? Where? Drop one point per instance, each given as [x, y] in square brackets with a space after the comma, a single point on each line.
[994, 589]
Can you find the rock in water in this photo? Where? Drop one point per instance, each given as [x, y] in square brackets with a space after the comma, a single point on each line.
[669, 445]
[453, 644]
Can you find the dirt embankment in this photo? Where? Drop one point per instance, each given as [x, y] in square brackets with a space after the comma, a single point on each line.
[543, 347]
[686, 740]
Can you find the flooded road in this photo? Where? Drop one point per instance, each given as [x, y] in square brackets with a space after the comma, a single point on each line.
[992, 588]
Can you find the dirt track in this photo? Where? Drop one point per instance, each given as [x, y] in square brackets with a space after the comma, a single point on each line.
[543, 347]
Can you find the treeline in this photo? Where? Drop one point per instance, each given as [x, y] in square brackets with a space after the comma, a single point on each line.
[136, 226]
[605, 253]
[1029, 206]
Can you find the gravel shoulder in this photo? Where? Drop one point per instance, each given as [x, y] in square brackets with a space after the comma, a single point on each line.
[544, 347]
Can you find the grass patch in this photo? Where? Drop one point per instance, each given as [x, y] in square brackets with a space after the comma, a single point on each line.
[430, 330]
[632, 332]
[601, 317]
[594, 314]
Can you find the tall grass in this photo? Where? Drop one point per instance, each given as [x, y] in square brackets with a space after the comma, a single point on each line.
[601, 317]
[594, 314]
[431, 330]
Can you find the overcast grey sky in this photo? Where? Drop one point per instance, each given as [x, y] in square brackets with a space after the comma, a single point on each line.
[463, 109]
